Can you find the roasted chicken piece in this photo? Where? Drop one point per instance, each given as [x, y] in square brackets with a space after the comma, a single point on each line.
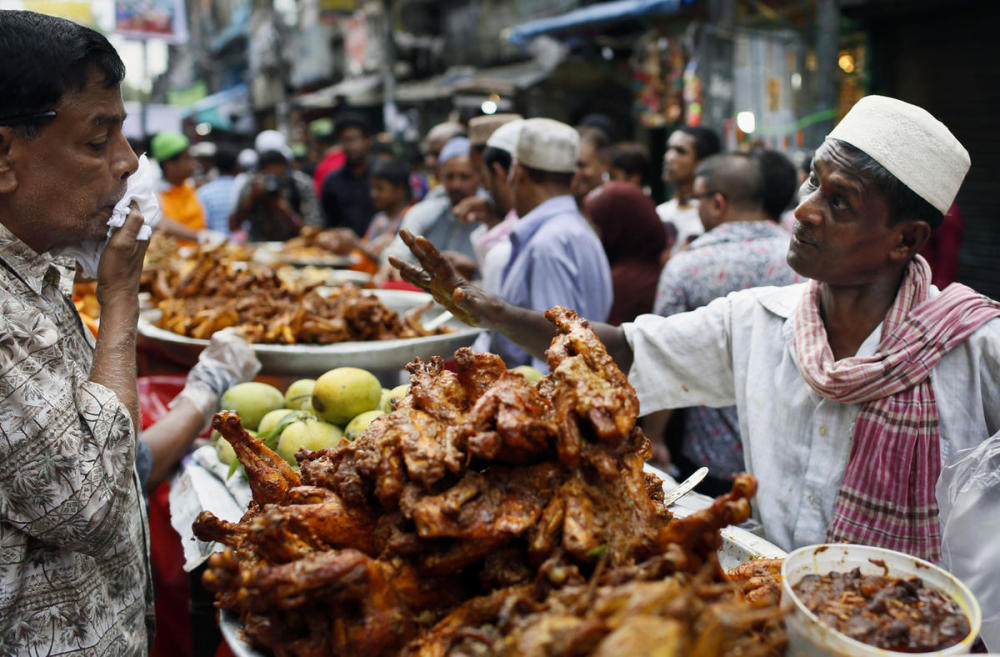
[485, 515]
[759, 579]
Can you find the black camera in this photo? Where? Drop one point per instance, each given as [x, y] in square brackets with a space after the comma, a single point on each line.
[272, 185]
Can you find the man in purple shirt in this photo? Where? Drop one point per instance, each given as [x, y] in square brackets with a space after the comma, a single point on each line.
[556, 259]
[742, 247]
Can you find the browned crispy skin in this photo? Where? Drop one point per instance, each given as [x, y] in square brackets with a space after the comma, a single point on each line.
[517, 514]
[602, 393]
[759, 579]
[699, 532]
[269, 475]
[207, 527]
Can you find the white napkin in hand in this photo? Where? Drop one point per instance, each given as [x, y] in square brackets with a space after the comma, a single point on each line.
[142, 189]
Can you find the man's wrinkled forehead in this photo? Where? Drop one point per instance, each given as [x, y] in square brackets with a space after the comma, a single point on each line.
[94, 105]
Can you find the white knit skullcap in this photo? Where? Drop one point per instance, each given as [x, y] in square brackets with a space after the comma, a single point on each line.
[910, 143]
[505, 137]
[548, 145]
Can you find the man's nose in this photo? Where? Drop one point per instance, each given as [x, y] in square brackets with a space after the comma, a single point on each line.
[126, 162]
[807, 211]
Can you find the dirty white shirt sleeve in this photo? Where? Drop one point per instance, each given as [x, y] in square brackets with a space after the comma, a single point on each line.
[683, 360]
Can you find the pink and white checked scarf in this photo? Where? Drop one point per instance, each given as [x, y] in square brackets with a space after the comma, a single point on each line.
[887, 496]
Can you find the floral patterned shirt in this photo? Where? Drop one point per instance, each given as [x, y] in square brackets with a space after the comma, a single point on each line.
[730, 257]
[74, 541]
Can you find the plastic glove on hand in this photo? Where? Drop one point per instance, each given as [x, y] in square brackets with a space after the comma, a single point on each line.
[226, 361]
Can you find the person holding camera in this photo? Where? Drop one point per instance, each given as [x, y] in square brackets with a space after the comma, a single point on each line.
[276, 202]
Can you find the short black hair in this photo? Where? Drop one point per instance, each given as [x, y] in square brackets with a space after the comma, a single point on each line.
[492, 155]
[902, 201]
[395, 171]
[736, 176]
[631, 157]
[780, 181]
[600, 121]
[383, 148]
[540, 177]
[42, 58]
[706, 140]
[596, 138]
[271, 157]
[351, 120]
[225, 159]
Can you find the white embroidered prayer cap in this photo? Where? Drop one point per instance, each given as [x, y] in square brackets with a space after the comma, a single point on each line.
[910, 143]
[548, 145]
[505, 137]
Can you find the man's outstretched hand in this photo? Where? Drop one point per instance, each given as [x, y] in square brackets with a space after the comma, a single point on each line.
[437, 276]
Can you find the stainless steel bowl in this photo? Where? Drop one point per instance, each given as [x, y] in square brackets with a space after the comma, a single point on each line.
[314, 359]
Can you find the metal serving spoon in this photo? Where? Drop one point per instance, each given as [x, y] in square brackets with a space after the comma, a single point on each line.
[685, 486]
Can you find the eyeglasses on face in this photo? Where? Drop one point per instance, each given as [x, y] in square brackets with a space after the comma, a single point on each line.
[707, 195]
[23, 119]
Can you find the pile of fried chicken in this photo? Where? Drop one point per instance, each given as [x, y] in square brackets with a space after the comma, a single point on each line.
[212, 292]
[484, 516]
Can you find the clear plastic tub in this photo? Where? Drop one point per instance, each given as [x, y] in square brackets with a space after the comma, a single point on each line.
[808, 637]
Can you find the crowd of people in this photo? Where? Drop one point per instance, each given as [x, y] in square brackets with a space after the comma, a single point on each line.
[809, 347]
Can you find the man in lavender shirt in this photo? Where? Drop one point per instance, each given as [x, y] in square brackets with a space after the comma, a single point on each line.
[556, 259]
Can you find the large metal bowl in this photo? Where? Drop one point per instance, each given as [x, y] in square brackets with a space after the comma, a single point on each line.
[314, 359]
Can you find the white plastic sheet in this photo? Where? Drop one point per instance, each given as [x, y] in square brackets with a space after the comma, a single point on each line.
[968, 494]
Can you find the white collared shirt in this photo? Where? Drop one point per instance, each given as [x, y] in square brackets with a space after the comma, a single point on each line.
[738, 349]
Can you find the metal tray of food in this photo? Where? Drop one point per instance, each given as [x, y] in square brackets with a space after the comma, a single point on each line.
[314, 359]
[738, 546]
[272, 252]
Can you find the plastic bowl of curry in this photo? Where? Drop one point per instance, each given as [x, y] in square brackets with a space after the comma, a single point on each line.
[864, 601]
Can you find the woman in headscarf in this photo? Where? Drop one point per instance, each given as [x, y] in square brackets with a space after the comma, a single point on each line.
[633, 238]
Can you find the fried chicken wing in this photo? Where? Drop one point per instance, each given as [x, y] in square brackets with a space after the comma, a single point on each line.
[486, 515]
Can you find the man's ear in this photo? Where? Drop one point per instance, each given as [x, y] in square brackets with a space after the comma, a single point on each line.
[912, 236]
[8, 180]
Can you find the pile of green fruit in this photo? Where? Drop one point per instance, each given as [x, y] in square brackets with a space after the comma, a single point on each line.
[311, 414]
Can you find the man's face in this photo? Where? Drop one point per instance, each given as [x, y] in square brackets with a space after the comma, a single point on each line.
[680, 159]
[590, 170]
[459, 178]
[841, 234]
[710, 209]
[432, 152]
[499, 187]
[385, 195]
[355, 145]
[179, 169]
[63, 185]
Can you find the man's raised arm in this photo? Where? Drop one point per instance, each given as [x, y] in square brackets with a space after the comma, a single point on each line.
[474, 306]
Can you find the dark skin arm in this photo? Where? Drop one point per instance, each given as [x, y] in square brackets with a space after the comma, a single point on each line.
[169, 439]
[471, 304]
[118, 273]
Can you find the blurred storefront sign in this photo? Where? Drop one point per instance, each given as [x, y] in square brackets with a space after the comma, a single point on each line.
[311, 59]
[151, 19]
[78, 12]
[592, 16]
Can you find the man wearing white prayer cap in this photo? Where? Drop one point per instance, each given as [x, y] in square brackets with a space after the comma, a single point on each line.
[865, 396]
[556, 259]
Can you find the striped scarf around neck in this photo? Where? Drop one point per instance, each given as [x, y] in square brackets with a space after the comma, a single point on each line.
[886, 498]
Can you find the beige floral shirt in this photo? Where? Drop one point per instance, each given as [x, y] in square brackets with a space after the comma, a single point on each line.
[74, 540]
